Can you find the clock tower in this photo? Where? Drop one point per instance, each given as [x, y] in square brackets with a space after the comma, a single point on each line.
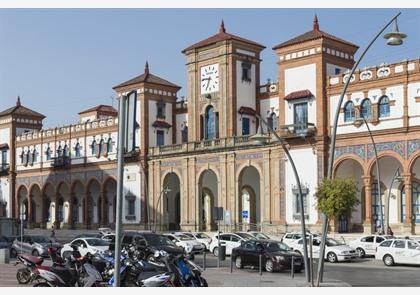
[223, 75]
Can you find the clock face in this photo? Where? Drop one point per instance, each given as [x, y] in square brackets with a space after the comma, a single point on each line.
[209, 78]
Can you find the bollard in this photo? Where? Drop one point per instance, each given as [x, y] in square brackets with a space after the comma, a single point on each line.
[260, 265]
[204, 260]
[231, 264]
[293, 267]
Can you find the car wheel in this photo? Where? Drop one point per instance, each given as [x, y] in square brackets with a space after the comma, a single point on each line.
[269, 266]
[388, 260]
[13, 253]
[216, 251]
[331, 257]
[35, 253]
[360, 252]
[238, 262]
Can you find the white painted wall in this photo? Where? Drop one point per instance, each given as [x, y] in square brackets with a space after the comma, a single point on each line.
[300, 78]
[132, 184]
[5, 136]
[306, 165]
[246, 96]
[413, 91]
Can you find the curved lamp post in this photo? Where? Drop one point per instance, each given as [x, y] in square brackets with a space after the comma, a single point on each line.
[394, 38]
[397, 177]
[362, 119]
[164, 191]
[260, 138]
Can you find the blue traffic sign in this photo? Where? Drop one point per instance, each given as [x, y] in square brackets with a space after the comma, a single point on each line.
[245, 214]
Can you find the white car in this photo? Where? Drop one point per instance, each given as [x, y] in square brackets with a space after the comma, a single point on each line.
[334, 250]
[367, 245]
[394, 251]
[230, 240]
[200, 237]
[291, 238]
[261, 236]
[85, 245]
[190, 245]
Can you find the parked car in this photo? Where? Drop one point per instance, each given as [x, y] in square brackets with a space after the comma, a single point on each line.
[105, 230]
[151, 242]
[334, 250]
[201, 237]
[85, 245]
[275, 255]
[34, 245]
[291, 238]
[230, 240]
[108, 237]
[398, 251]
[88, 235]
[367, 245]
[259, 235]
[190, 245]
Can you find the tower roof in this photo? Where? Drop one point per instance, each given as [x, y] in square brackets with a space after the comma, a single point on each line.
[102, 109]
[19, 109]
[314, 34]
[221, 36]
[146, 77]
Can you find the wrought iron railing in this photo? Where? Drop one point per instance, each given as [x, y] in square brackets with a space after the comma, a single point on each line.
[4, 169]
[61, 161]
[297, 130]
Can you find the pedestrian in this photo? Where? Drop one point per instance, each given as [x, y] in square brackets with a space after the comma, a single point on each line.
[389, 231]
[52, 233]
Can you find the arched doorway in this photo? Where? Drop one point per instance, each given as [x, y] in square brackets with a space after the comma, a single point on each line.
[172, 202]
[415, 194]
[94, 202]
[208, 199]
[63, 205]
[36, 213]
[249, 203]
[110, 193]
[351, 168]
[78, 198]
[22, 201]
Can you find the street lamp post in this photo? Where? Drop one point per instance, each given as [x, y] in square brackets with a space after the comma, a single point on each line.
[164, 191]
[261, 138]
[378, 177]
[396, 177]
[394, 38]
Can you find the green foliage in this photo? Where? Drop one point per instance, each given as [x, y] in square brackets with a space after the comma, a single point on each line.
[337, 197]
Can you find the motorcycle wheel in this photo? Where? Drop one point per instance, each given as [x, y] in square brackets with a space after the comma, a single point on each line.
[23, 276]
[43, 284]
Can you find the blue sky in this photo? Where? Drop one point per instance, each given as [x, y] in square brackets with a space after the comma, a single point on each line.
[62, 61]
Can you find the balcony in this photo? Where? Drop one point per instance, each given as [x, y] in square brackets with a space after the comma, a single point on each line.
[60, 162]
[4, 169]
[297, 130]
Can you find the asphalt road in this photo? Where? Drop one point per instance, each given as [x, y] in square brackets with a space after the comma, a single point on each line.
[366, 272]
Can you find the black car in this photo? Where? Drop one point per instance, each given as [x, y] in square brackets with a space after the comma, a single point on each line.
[275, 255]
[150, 242]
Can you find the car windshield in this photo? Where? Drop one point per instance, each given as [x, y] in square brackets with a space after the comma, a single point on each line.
[184, 237]
[158, 240]
[40, 239]
[245, 236]
[331, 242]
[202, 236]
[97, 242]
[276, 246]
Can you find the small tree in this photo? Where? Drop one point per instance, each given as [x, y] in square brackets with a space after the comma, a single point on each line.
[337, 197]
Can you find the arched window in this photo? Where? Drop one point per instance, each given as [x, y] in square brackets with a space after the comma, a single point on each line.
[34, 154]
[109, 146]
[66, 151]
[77, 150]
[22, 157]
[105, 147]
[415, 196]
[349, 113]
[29, 157]
[383, 106]
[93, 146]
[273, 121]
[184, 134]
[48, 154]
[59, 151]
[210, 129]
[101, 147]
[366, 108]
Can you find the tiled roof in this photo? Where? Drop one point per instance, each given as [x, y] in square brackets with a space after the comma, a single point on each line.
[21, 110]
[298, 94]
[221, 36]
[315, 33]
[149, 78]
[101, 108]
[161, 124]
[4, 146]
[247, 111]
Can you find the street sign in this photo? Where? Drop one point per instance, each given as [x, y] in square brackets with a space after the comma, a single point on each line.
[245, 214]
[218, 213]
[130, 114]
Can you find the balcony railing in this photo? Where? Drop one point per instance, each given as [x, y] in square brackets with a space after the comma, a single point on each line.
[61, 161]
[297, 130]
[4, 169]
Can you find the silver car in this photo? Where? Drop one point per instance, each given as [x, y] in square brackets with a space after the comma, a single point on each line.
[34, 245]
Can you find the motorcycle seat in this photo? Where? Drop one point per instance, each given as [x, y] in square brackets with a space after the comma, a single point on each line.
[33, 259]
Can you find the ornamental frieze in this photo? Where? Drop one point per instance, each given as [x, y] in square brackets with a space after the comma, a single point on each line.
[413, 146]
[207, 160]
[249, 156]
[395, 146]
[358, 150]
[170, 164]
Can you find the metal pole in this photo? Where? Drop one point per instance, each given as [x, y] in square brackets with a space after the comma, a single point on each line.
[292, 268]
[387, 201]
[302, 213]
[378, 177]
[218, 243]
[311, 258]
[332, 149]
[21, 228]
[120, 186]
[204, 260]
[260, 257]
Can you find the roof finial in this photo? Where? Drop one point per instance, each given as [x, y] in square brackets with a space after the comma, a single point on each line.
[146, 68]
[18, 102]
[316, 24]
[222, 27]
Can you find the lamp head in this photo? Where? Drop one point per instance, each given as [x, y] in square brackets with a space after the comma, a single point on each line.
[260, 138]
[395, 37]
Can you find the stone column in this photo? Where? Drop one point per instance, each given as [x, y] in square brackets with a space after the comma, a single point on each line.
[408, 227]
[184, 183]
[367, 224]
[103, 222]
[86, 210]
[70, 223]
[30, 197]
[56, 220]
[43, 212]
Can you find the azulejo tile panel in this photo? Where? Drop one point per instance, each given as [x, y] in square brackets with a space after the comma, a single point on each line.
[395, 146]
[413, 146]
[358, 150]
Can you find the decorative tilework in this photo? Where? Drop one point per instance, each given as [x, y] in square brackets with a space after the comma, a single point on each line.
[358, 150]
[396, 146]
[171, 164]
[413, 146]
[249, 156]
[207, 160]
